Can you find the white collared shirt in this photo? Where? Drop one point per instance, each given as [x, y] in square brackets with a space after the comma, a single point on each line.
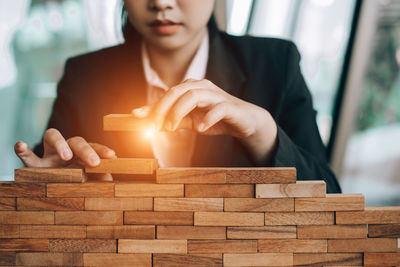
[174, 149]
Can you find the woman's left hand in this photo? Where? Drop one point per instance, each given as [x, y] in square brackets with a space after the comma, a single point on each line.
[202, 106]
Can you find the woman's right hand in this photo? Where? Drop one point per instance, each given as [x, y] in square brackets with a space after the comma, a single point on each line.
[58, 152]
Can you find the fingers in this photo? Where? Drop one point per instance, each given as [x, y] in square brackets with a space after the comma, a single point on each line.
[53, 140]
[103, 151]
[84, 151]
[26, 155]
[220, 111]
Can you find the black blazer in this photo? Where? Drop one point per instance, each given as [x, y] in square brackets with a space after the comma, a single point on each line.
[263, 71]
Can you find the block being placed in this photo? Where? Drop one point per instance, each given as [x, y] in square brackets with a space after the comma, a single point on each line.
[49, 175]
[298, 189]
[124, 166]
[126, 122]
[332, 202]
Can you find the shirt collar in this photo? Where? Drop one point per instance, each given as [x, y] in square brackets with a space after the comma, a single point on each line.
[197, 68]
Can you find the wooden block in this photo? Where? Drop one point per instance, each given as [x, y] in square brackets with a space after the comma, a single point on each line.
[91, 189]
[82, 245]
[152, 246]
[89, 217]
[117, 259]
[52, 203]
[149, 190]
[52, 231]
[332, 202]
[299, 218]
[299, 189]
[191, 176]
[230, 190]
[7, 203]
[331, 231]
[259, 204]
[292, 245]
[7, 258]
[259, 259]
[121, 231]
[13, 245]
[49, 259]
[26, 217]
[382, 259]
[384, 230]
[9, 231]
[188, 204]
[319, 259]
[193, 260]
[228, 219]
[11, 189]
[126, 122]
[49, 175]
[262, 232]
[261, 175]
[119, 203]
[371, 215]
[363, 245]
[158, 217]
[221, 246]
[190, 232]
[124, 166]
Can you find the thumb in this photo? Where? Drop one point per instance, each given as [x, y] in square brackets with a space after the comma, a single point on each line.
[26, 155]
[141, 112]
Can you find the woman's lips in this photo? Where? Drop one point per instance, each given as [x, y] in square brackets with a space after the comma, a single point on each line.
[165, 26]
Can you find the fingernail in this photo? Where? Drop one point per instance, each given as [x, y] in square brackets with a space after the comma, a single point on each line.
[67, 153]
[168, 125]
[201, 126]
[94, 159]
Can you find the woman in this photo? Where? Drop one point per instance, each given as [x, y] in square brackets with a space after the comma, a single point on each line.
[219, 100]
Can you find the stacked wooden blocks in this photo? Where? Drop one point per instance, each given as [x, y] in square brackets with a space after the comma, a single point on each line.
[189, 217]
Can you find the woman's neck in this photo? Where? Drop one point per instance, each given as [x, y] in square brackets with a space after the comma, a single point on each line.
[171, 65]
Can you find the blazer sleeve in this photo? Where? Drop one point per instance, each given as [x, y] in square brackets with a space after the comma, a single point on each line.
[299, 141]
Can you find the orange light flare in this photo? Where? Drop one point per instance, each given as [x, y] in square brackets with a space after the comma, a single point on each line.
[149, 132]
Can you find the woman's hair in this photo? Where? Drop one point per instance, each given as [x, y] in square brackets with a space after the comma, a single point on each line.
[131, 34]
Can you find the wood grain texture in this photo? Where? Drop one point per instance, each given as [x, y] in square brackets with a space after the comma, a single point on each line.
[50, 259]
[8, 203]
[221, 246]
[7, 258]
[193, 260]
[82, 245]
[149, 190]
[121, 231]
[188, 204]
[228, 219]
[126, 122]
[116, 259]
[90, 189]
[259, 259]
[52, 231]
[124, 166]
[259, 204]
[319, 259]
[371, 215]
[89, 217]
[382, 259]
[261, 175]
[13, 245]
[152, 246]
[49, 175]
[262, 232]
[242, 190]
[191, 176]
[332, 202]
[119, 203]
[158, 217]
[363, 245]
[26, 217]
[384, 230]
[299, 218]
[44, 203]
[331, 231]
[9, 231]
[292, 245]
[298, 189]
[190, 232]
[11, 189]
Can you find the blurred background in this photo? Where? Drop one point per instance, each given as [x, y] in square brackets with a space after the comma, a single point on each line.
[350, 58]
